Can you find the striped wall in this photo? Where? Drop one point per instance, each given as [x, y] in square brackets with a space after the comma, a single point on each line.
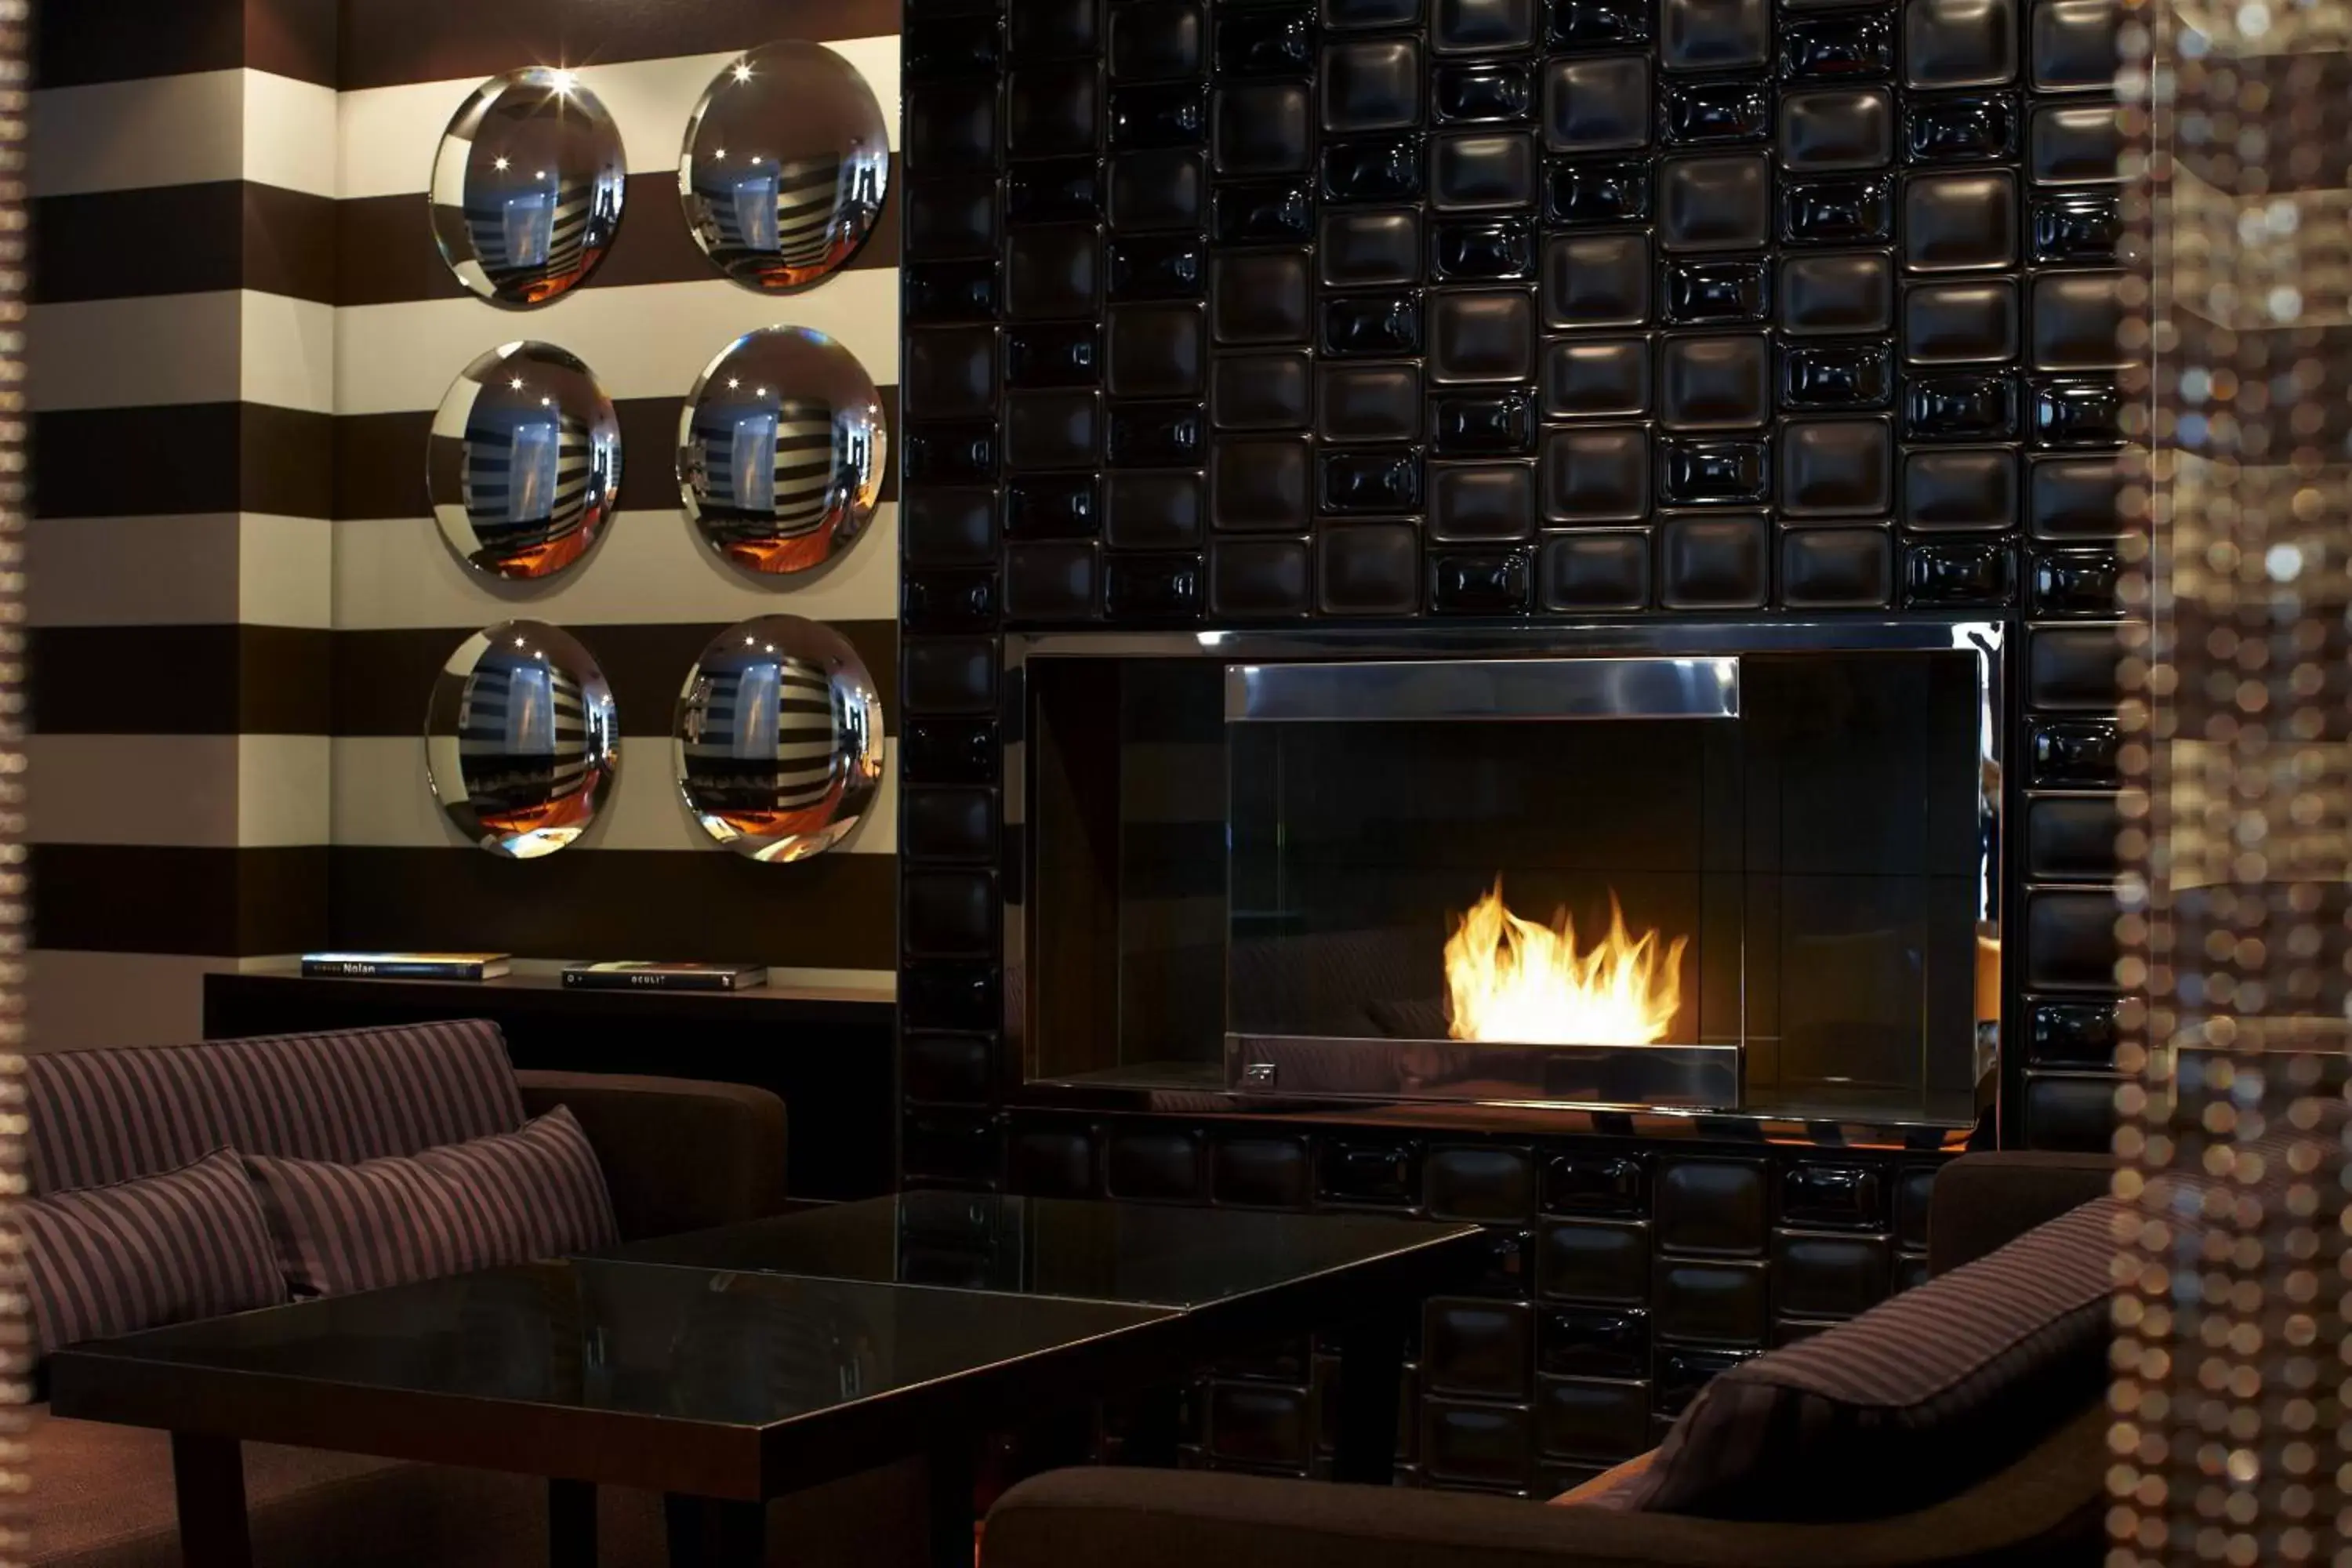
[240, 597]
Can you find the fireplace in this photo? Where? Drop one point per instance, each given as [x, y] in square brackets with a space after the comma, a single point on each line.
[1717, 871]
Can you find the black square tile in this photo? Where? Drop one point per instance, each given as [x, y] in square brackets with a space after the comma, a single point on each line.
[1051, 111]
[1053, 29]
[1597, 280]
[1963, 488]
[1472, 26]
[2074, 497]
[951, 372]
[946, 1068]
[1842, 291]
[1715, 473]
[1164, 189]
[1843, 211]
[1959, 323]
[1151, 588]
[1052, 356]
[1829, 1276]
[951, 216]
[1371, 326]
[1961, 130]
[1274, 40]
[1370, 247]
[1588, 192]
[1478, 582]
[1957, 221]
[949, 126]
[2074, 144]
[1852, 47]
[1718, 112]
[1836, 568]
[1496, 423]
[2078, 227]
[1052, 430]
[1972, 575]
[942, 525]
[1484, 335]
[1367, 569]
[1367, 402]
[1341, 14]
[1596, 103]
[1172, 267]
[1164, 114]
[1164, 38]
[948, 291]
[1155, 351]
[1053, 190]
[1718, 293]
[1386, 168]
[1589, 573]
[1482, 500]
[2077, 317]
[1481, 92]
[1062, 506]
[1261, 212]
[1478, 171]
[1715, 203]
[1714, 35]
[1596, 376]
[2077, 583]
[1956, 406]
[1959, 43]
[1259, 297]
[1841, 375]
[949, 47]
[1053, 582]
[1260, 485]
[1263, 391]
[1596, 476]
[1594, 1260]
[1710, 563]
[2076, 412]
[1598, 1421]
[1371, 84]
[950, 454]
[1711, 1205]
[1258, 578]
[1155, 435]
[1483, 249]
[2073, 44]
[1714, 382]
[1152, 510]
[1714, 1303]
[1381, 480]
[1837, 128]
[1264, 128]
[1599, 24]
[1051, 272]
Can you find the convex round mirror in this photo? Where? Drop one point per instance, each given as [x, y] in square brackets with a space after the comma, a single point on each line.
[521, 740]
[786, 166]
[527, 186]
[780, 449]
[778, 739]
[524, 463]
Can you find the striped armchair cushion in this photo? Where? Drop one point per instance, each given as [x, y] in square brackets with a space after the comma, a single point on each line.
[105, 1116]
[507, 1198]
[165, 1248]
[1910, 1404]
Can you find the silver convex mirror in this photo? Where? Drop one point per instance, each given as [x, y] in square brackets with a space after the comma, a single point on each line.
[527, 186]
[778, 739]
[780, 449]
[524, 462]
[786, 166]
[521, 740]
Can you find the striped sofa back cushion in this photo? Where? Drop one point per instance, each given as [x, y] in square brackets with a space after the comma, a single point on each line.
[113, 1114]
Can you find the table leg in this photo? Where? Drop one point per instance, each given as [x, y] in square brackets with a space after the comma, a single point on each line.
[1371, 1363]
[208, 1475]
[570, 1524]
[949, 1469]
[715, 1532]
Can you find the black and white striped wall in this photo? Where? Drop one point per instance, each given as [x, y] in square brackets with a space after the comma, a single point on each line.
[239, 598]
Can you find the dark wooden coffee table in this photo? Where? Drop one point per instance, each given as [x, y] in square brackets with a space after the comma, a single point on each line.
[729, 1367]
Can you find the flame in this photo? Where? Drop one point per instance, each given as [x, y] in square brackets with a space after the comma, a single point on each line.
[1513, 980]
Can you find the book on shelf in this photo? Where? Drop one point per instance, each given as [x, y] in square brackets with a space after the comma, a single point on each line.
[634, 976]
[405, 965]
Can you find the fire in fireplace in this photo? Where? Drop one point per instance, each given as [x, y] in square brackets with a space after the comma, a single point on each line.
[1509, 979]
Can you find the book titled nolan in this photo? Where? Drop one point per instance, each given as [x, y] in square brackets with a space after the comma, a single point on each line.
[405, 965]
[627, 976]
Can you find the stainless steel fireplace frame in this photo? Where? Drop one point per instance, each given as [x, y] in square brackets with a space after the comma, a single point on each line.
[1709, 645]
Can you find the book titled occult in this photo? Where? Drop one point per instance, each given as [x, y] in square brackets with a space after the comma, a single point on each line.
[627, 976]
[406, 965]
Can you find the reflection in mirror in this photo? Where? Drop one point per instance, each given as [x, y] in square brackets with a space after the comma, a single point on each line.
[524, 462]
[786, 166]
[778, 739]
[521, 740]
[780, 449]
[527, 186]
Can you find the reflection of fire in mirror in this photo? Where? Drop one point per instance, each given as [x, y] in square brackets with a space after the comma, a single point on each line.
[522, 739]
[1510, 979]
[528, 184]
[524, 466]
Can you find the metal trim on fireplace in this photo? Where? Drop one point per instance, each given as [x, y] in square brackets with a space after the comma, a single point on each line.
[1707, 654]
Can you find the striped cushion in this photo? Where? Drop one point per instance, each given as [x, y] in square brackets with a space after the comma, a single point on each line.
[106, 1116]
[1910, 1404]
[189, 1243]
[507, 1198]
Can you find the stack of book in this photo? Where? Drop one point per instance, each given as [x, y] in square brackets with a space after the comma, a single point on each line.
[406, 965]
[625, 976]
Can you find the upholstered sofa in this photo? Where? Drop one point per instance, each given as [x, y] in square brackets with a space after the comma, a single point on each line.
[676, 1155]
[2041, 1503]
